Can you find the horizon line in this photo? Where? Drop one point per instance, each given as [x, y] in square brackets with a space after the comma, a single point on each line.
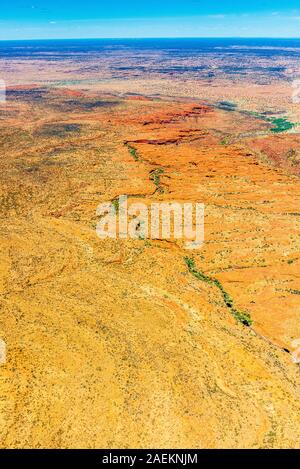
[147, 37]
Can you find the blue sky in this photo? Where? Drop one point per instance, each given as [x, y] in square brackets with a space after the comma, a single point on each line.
[23, 19]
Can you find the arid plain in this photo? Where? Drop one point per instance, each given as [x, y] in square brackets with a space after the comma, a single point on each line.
[143, 343]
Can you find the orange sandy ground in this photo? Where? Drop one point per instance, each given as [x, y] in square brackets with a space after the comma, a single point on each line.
[113, 343]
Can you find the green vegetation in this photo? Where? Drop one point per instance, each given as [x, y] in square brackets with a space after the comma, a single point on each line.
[240, 316]
[81, 104]
[226, 140]
[226, 106]
[254, 114]
[292, 156]
[58, 130]
[133, 152]
[116, 204]
[294, 292]
[281, 124]
[155, 176]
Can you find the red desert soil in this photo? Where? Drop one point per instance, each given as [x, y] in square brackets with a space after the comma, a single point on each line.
[115, 343]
